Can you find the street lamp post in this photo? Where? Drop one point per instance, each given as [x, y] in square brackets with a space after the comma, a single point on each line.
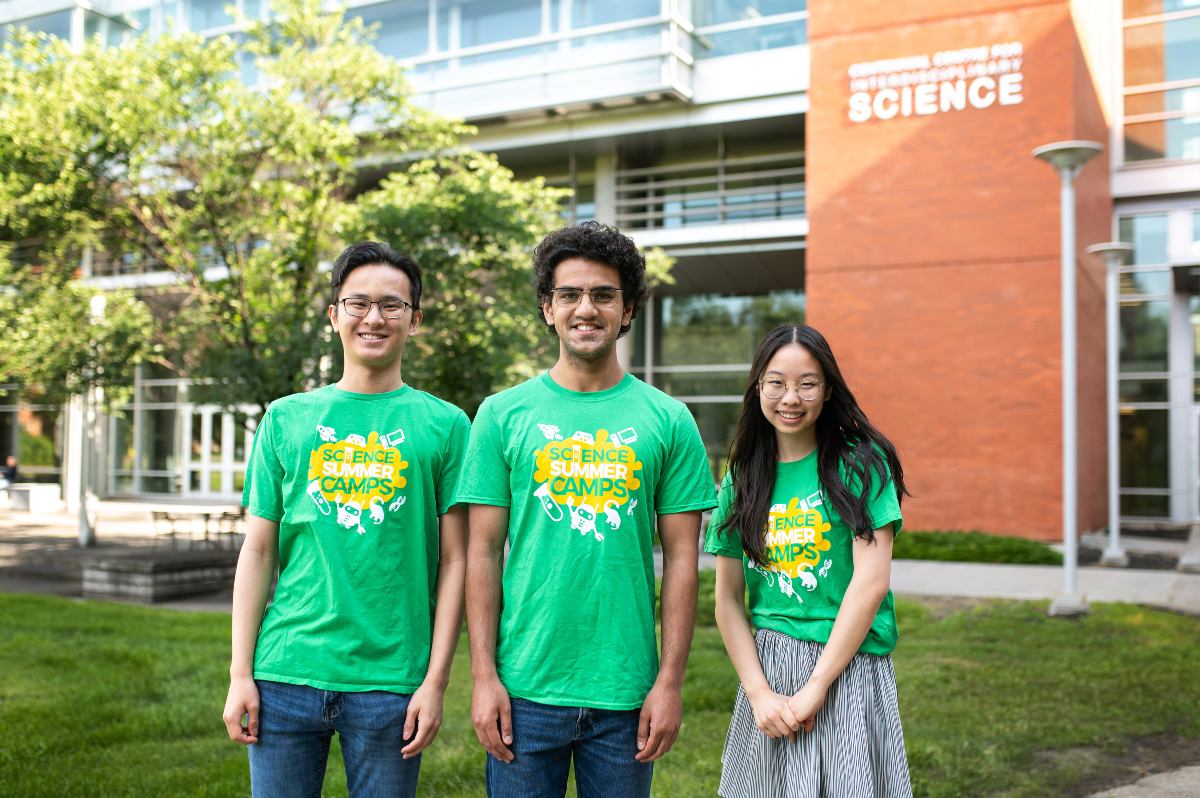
[1067, 158]
[1114, 254]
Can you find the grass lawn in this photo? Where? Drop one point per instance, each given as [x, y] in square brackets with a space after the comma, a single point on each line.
[997, 699]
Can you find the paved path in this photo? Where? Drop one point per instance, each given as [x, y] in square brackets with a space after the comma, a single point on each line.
[1181, 783]
[1167, 589]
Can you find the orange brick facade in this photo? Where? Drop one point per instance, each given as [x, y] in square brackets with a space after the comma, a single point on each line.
[933, 259]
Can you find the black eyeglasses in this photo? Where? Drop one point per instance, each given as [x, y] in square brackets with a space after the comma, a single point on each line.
[388, 308]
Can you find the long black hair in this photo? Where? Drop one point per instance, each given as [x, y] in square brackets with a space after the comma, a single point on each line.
[851, 454]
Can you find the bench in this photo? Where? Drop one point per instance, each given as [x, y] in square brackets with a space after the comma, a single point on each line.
[35, 497]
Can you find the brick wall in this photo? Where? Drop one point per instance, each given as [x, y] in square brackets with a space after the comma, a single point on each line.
[933, 261]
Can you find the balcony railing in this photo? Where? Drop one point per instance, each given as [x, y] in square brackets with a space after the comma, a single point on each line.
[622, 61]
[720, 191]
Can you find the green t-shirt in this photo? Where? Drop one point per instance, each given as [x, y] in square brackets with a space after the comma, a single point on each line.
[809, 549]
[584, 476]
[356, 483]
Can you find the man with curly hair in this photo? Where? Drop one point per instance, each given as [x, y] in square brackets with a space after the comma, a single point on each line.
[574, 469]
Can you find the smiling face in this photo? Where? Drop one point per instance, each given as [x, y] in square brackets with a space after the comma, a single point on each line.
[793, 418]
[585, 331]
[373, 342]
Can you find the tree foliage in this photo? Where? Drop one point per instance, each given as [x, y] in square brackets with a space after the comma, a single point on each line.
[158, 155]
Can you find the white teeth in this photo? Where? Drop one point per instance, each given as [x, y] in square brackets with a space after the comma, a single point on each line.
[371, 336]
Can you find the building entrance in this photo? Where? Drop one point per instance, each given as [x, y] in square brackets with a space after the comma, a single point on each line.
[214, 462]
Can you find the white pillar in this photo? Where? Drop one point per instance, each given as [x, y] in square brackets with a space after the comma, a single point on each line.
[1114, 254]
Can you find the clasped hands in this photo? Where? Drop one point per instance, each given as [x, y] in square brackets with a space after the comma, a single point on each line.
[779, 715]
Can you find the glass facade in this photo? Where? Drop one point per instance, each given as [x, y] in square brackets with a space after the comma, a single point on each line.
[57, 23]
[34, 434]
[1144, 367]
[698, 348]
[1162, 80]
[163, 443]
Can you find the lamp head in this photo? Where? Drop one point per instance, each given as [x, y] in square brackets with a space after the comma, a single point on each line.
[1068, 155]
[1116, 252]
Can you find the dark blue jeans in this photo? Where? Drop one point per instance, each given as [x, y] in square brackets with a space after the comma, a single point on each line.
[545, 737]
[296, 724]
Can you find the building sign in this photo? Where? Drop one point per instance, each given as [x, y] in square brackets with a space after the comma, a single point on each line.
[949, 80]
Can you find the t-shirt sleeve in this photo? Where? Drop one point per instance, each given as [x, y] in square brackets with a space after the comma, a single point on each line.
[485, 471]
[446, 489]
[882, 503]
[723, 543]
[263, 492]
[686, 482]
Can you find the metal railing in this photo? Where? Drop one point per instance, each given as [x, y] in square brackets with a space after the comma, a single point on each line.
[719, 191]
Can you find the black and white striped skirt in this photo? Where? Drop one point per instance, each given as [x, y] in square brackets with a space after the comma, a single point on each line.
[855, 750]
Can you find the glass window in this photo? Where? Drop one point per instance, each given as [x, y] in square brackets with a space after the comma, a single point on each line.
[1145, 506]
[1144, 336]
[1142, 391]
[585, 203]
[749, 40]
[717, 12]
[160, 485]
[1163, 51]
[1194, 308]
[1155, 282]
[39, 444]
[1149, 8]
[717, 422]
[158, 444]
[403, 27]
[56, 24]
[585, 13]
[489, 21]
[210, 14]
[122, 442]
[1159, 102]
[1166, 138]
[722, 383]
[8, 433]
[717, 329]
[1148, 234]
[1145, 449]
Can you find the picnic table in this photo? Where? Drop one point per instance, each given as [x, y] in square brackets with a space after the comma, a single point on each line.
[212, 526]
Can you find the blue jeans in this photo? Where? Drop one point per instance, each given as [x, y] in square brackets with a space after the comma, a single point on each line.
[603, 742]
[295, 725]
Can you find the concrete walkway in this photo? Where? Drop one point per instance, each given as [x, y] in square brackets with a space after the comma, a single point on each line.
[1181, 783]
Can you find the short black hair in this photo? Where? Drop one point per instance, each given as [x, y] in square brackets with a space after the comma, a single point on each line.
[367, 253]
[596, 242]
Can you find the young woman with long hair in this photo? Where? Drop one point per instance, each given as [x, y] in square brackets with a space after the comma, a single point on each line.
[805, 523]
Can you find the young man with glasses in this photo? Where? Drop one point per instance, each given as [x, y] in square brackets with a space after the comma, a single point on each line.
[574, 469]
[350, 489]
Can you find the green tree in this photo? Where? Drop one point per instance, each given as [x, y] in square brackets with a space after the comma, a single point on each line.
[159, 154]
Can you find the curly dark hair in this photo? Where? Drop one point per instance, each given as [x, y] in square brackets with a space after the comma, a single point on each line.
[595, 242]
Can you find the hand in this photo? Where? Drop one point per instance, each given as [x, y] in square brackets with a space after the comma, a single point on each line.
[242, 703]
[424, 719]
[658, 725]
[772, 714]
[491, 714]
[806, 703]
